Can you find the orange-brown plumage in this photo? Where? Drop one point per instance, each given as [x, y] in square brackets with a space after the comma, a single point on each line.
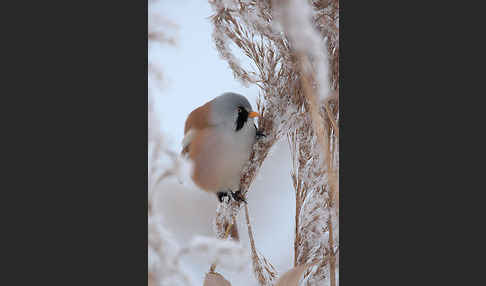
[217, 138]
[196, 121]
[198, 118]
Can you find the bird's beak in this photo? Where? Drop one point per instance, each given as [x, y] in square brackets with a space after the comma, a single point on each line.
[253, 114]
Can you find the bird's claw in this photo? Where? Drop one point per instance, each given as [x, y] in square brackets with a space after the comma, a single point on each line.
[260, 134]
[237, 196]
[221, 196]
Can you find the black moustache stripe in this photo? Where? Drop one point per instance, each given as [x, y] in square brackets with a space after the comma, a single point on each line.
[242, 118]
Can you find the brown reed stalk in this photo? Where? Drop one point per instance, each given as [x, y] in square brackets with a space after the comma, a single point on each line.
[270, 274]
[230, 229]
[324, 140]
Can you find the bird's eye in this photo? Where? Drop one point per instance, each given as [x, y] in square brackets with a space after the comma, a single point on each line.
[240, 109]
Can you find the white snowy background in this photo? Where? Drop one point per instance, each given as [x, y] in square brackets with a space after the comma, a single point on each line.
[194, 74]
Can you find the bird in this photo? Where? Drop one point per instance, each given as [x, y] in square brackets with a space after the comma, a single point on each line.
[218, 137]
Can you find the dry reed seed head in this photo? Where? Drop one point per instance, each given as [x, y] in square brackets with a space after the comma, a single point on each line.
[249, 25]
[312, 240]
[161, 30]
[215, 279]
[293, 276]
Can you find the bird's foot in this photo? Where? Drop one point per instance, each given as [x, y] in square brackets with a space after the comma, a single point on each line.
[237, 196]
[260, 134]
[222, 195]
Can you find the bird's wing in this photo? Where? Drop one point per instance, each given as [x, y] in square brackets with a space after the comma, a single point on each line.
[187, 141]
[197, 120]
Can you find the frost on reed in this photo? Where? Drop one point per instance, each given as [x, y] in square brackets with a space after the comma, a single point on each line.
[248, 26]
[162, 247]
[225, 252]
[294, 53]
[162, 163]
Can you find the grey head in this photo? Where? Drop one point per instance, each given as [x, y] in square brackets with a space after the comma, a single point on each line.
[230, 109]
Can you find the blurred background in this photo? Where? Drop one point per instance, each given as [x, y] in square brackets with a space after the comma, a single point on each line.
[191, 73]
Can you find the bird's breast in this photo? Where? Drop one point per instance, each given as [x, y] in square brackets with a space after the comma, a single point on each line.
[220, 157]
